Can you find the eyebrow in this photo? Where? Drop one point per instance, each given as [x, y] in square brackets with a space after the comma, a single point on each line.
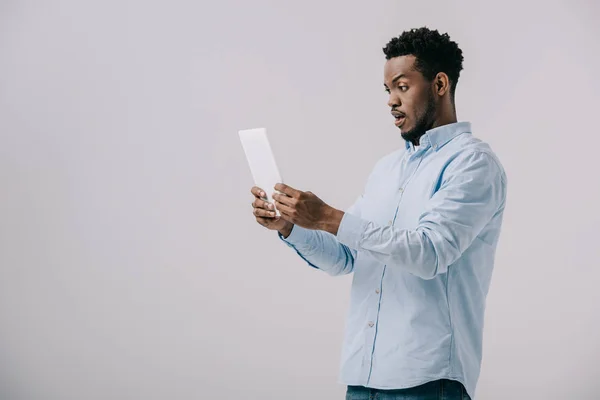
[396, 78]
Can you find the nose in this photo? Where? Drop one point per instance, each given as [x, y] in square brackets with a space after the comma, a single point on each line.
[394, 101]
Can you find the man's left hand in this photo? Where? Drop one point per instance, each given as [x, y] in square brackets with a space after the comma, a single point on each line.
[305, 209]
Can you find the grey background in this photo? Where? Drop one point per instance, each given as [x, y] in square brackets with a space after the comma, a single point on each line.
[130, 264]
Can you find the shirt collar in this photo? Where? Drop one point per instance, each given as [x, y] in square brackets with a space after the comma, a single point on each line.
[439, 136]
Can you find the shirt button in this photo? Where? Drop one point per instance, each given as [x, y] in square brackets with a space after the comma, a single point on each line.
[377, 291]
[390, 222]
[371, 324]
[400, 190]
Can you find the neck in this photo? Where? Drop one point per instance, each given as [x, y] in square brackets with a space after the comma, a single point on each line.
[445, 118]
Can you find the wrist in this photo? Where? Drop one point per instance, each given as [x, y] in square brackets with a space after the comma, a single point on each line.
[331, 220]
[286, 230]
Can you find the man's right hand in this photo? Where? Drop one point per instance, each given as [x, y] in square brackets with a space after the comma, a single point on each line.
[264, 213]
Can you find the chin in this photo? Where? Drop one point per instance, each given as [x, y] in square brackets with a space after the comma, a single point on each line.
[408, 134]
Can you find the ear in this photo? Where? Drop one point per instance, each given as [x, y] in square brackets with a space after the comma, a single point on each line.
[441, 83]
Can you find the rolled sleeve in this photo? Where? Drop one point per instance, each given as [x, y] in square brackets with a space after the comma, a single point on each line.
[351, 230]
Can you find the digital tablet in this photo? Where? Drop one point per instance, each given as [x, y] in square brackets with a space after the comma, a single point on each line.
[261, 161]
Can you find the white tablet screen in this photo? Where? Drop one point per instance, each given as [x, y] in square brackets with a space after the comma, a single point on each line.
[261, 160]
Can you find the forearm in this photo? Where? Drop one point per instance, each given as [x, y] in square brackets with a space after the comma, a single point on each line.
[412, 250]
[320, 250]
[331, 220]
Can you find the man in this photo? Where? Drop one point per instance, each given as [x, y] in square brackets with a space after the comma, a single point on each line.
[420, 240]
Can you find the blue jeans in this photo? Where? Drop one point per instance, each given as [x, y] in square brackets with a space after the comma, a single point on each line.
[443, 389]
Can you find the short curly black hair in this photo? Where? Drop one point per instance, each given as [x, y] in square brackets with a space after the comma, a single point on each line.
[434, 53]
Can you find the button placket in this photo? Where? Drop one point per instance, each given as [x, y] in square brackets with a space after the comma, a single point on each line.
[412, 172]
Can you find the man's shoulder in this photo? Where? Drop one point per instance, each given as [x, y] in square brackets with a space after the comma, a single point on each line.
[472, 147]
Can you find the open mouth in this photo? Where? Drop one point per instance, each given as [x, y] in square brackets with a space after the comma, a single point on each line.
[399, 120]
[399, 117]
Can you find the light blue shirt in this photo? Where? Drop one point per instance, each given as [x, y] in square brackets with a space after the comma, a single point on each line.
[421, 241]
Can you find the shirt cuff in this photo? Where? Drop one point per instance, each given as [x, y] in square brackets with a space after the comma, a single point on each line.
[351, 230]
[297, 236]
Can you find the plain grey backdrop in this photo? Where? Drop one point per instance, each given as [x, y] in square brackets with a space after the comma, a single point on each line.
[130, 264]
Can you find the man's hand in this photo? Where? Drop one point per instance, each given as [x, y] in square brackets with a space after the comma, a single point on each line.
[305, 209]
[265, 214]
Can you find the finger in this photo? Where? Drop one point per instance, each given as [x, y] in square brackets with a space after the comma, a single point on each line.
[284, 199]
[258, 203]
[259, 212]
[263, 221]
[284, 208]
[267, 221]
[290, 191]
[258, 192]
[286, 216]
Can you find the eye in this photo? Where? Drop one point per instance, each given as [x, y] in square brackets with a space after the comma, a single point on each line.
[387, 90]
[403, 88]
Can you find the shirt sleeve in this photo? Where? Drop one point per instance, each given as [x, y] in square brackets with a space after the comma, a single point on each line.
[472, 191]
[322, 250]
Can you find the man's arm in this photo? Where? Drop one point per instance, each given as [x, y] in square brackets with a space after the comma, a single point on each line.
[321, 249]
[473, 191]
[469, 197]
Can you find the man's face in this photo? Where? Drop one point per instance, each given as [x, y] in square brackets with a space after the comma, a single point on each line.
[411, 98]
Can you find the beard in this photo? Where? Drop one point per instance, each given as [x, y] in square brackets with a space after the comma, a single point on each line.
[424, 122]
